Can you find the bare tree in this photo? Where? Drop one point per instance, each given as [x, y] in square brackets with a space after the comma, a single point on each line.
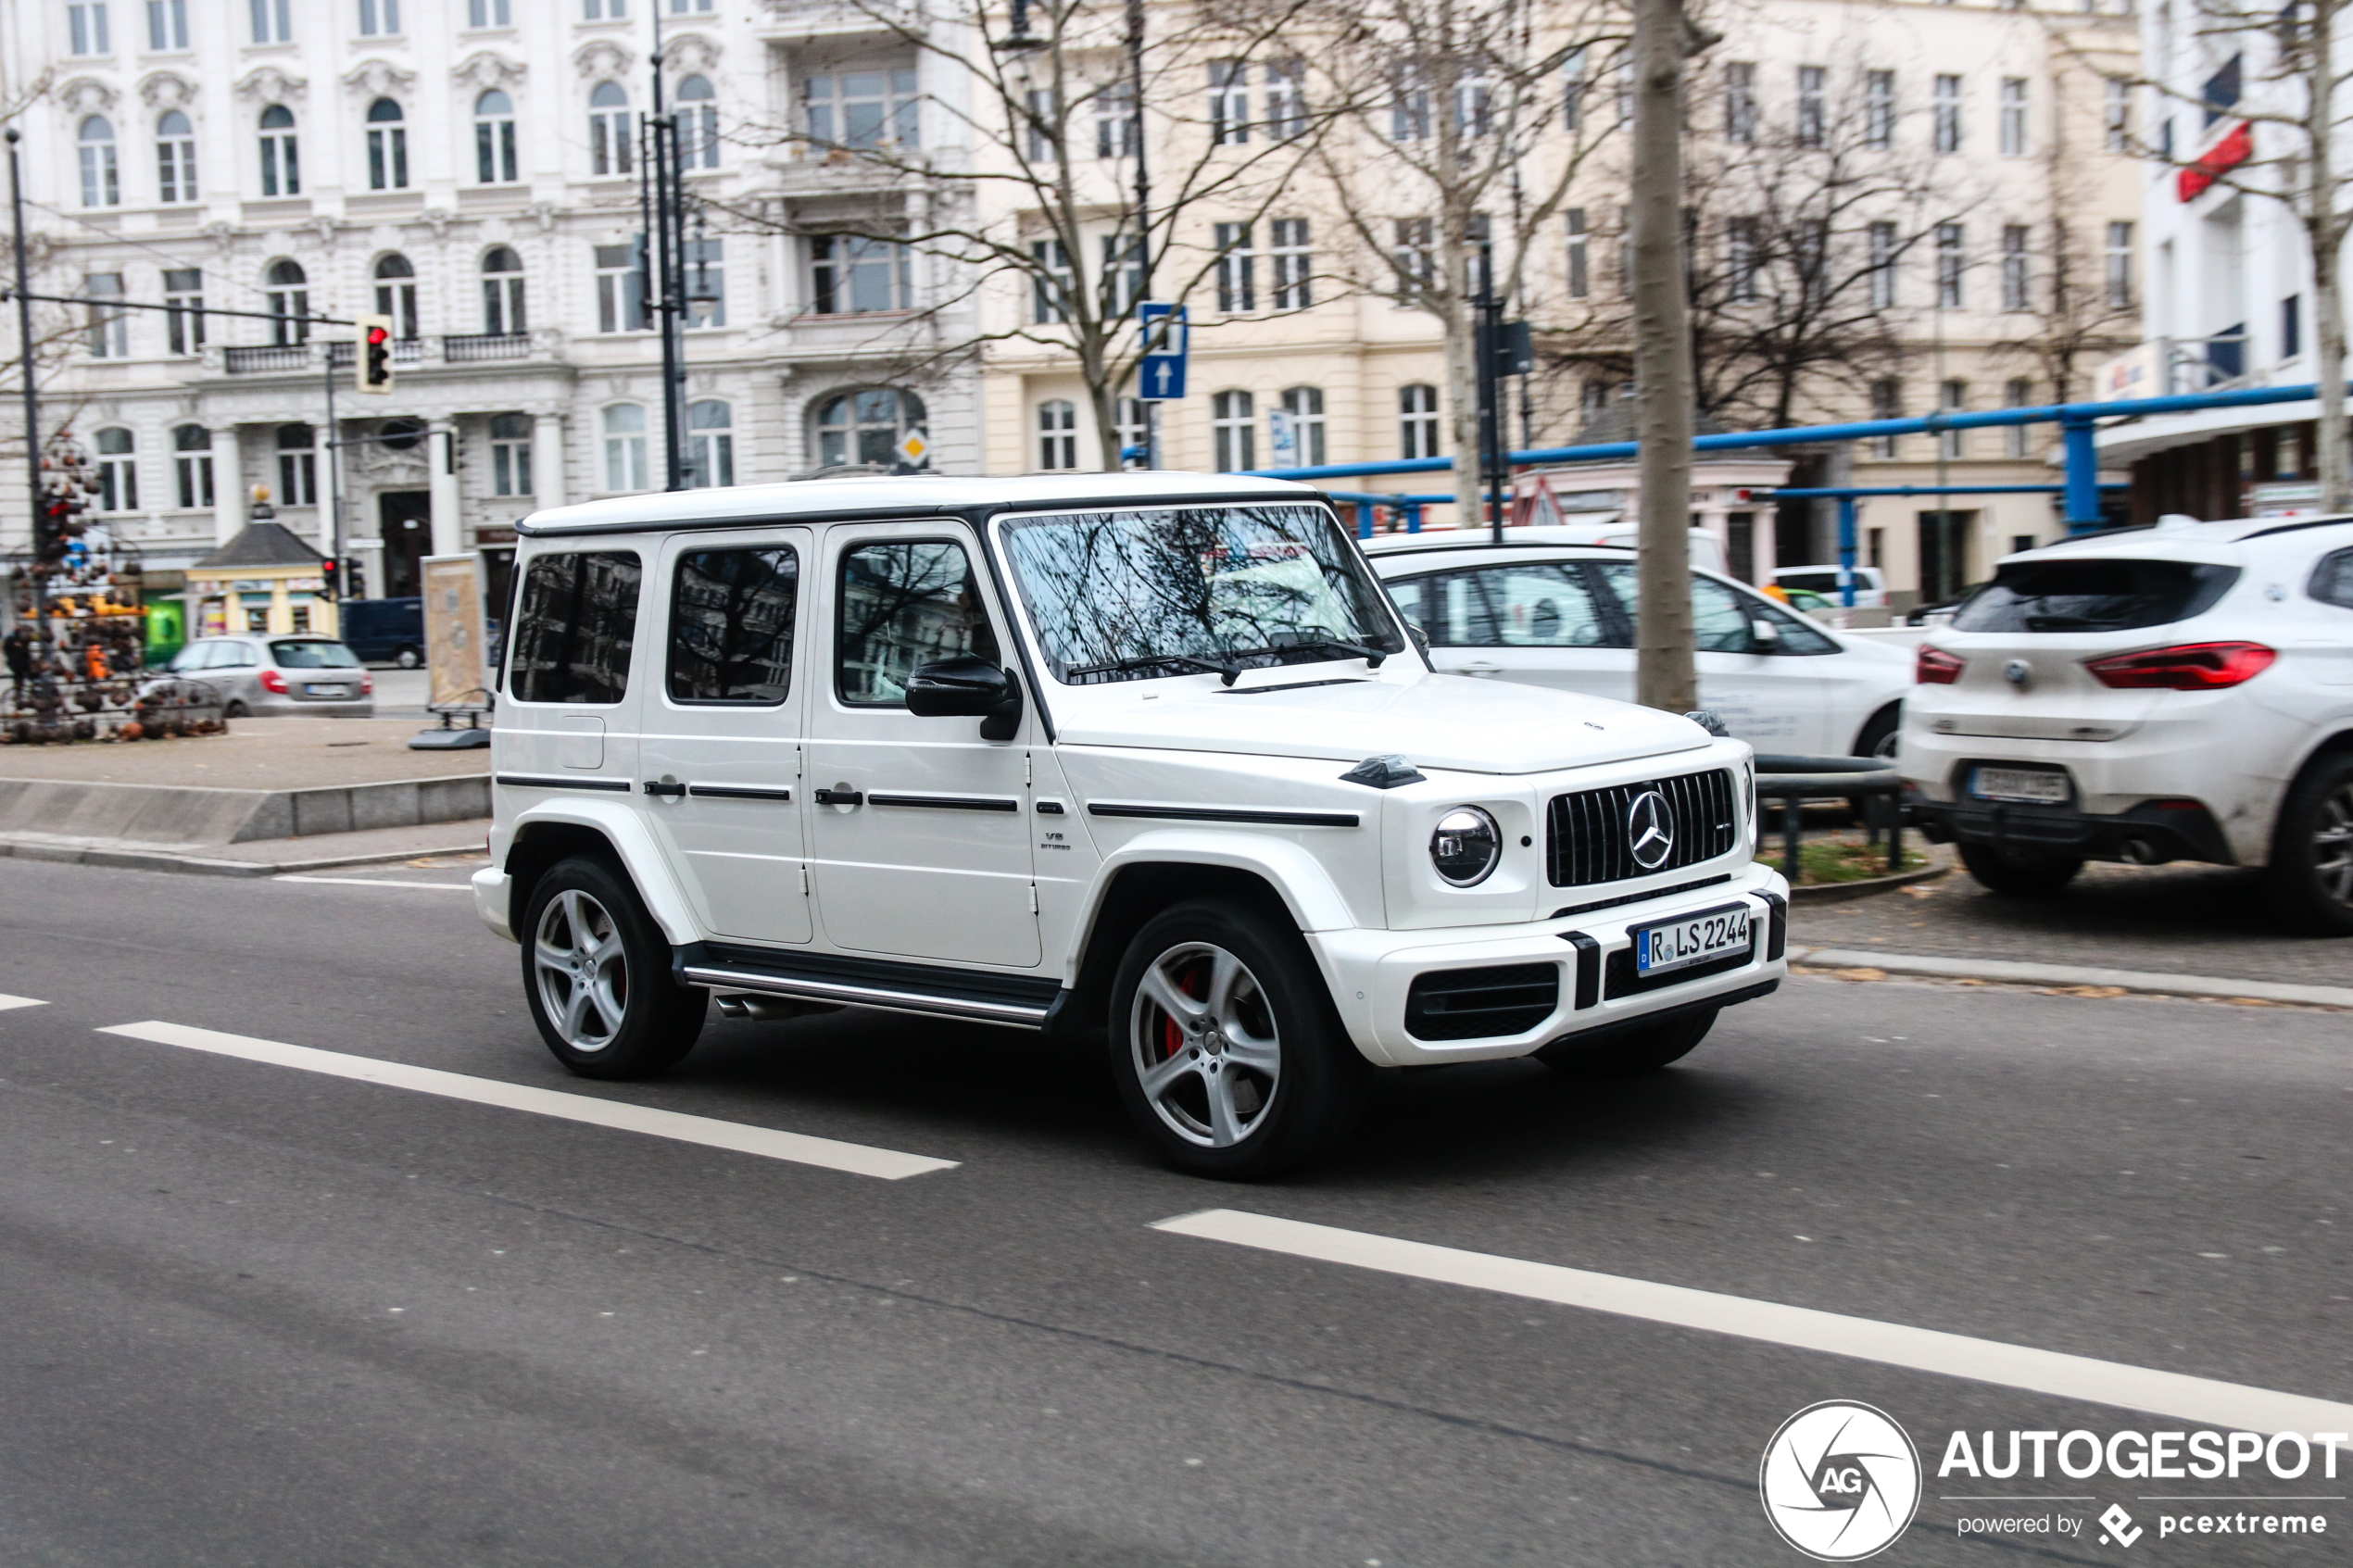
[1467, 124]
[1050, 205]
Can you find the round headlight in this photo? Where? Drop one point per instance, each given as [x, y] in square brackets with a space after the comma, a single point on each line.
[1466, 847]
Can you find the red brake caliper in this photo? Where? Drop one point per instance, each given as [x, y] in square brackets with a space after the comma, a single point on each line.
[1172, 1037]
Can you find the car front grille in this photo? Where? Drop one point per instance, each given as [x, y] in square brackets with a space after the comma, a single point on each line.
[1586, 839]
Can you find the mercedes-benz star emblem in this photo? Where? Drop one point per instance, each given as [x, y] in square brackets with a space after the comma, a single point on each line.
[1650, 830]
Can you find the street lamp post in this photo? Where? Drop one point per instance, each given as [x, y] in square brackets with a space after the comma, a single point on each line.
[31, 402]
[662, 202]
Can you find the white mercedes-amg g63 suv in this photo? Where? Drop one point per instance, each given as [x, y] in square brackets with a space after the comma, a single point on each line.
[1146, 758]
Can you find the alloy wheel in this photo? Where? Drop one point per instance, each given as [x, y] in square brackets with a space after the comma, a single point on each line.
[582, 973]
[2332, 845]
[1203, 1045]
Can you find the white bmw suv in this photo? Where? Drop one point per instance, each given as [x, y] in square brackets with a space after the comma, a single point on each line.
[2177, 693]
[1150, 759]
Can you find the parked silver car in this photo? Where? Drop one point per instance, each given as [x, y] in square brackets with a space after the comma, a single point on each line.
[278, 676]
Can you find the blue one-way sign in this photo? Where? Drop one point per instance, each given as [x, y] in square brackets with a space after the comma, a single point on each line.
[1161, 374]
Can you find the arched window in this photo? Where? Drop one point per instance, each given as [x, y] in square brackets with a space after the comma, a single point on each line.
[387, 147]
[175, 158]
[101, 180]
[866, 426]
[297, 466]
[287, 287]
[1233, 421]
[117, 471]
[1058, 434]
[698, 123]
[281, 158]
[495, 138]
[397, 294]
[502, 292]
[1417, 420]
[711, 445]
[624, 448]
[510, 454]
[609, 129]
[1304, 410]
[192, 461]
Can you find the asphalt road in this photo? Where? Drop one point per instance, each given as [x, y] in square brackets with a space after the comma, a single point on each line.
[263, 1315]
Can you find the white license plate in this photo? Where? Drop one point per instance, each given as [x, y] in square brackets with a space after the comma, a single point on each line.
[316, 690]
[1677, 944]
[2035, 785]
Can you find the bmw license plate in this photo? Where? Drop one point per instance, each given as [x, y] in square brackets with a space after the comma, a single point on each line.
[2040, 786]
[1677, 944]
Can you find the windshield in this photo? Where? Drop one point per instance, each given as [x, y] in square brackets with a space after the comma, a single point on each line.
[2093, 595]
[1134, 594]
[312, 655]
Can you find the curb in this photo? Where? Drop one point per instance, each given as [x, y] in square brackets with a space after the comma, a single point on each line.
[2139, 981]
[1847, 892]
[205, 865]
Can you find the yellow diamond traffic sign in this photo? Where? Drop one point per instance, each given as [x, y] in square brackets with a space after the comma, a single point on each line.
[913, 446]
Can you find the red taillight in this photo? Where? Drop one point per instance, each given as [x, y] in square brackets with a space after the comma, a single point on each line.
[1935, 667]
[273, 681]
[367, 684]
[2193, 666]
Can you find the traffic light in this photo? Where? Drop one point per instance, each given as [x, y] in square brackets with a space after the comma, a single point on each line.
[375, 354]
[330, 580]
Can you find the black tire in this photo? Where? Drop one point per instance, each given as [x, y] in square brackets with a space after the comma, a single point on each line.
[234, 710]
[1877, 739]
[408, 659]
[2021, 873]
[1277, 1011]
[631, 1019]
[1626, 1053]
[2311, 871]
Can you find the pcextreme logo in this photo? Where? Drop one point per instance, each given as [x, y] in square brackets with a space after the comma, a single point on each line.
[1841, 1481]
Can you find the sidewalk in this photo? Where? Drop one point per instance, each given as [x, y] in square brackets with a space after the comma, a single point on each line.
[255, 754]
[260, 856]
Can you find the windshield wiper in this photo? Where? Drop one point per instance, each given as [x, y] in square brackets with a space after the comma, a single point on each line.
[1226, 674]
[1371, 656]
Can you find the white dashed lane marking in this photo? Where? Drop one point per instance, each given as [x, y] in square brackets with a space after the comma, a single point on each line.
[8, 1002]
[1920, 1350]
[767, 1142]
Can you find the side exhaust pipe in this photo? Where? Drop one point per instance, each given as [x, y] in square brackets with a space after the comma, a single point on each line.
[739, 1004]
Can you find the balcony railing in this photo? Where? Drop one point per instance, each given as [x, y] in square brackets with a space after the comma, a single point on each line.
[269, 357]
[473, 346]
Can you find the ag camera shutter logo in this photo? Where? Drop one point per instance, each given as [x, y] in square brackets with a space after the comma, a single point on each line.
[1839, 1481]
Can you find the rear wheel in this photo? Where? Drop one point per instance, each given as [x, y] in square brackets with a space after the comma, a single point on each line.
[597, 971]
[1224, 1046]
[1878, 740]
[408, 659]
[2020, 872]
[235, 709]
[2311, 872]
[1625, 1053]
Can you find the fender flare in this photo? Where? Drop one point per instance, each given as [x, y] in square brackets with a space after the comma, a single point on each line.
[1297, 876]
[641, 857]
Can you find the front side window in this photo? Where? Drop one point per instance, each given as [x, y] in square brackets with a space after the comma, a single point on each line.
[192, 465]
[1541, 604]
[1137, 595]
[731, 625]
[175, 158]
[101, 174]
[387, 147]
[2333, 580]
[575, 621]
[1722, 616]
[118, 471]
[288, 292]
[865, 427]
[495, 139]
[280, 158]
[710, 444]
[853, 273]
[109, 327]
[904, 605]
[862, 108]
[624, 432]
[510, 454]
[297, 466]
[502, 298]
[609, 137]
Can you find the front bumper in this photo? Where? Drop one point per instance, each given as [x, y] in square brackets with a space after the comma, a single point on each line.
[2148, 835]
[494, 895]
[1373, 973]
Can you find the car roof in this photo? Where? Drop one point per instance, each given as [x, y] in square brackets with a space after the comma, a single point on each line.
[855, 496]
[2193, 539]
[1481, 538]
[1397, 563]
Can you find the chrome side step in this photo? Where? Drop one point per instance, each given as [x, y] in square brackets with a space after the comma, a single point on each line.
[977, 1009]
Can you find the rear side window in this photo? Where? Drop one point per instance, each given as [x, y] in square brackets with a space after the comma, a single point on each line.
[731, 618]
[903, 604]
[575, 618]
[2333, 580]
[2094, 595]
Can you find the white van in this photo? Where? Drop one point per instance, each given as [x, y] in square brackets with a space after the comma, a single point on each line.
[1146, 758]
[1871, 584]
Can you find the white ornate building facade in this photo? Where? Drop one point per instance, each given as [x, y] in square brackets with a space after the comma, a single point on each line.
[470, 169]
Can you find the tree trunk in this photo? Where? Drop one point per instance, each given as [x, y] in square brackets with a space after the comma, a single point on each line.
[1105, 401]
[1663, 391]
[1462, 402]
[2328, 259]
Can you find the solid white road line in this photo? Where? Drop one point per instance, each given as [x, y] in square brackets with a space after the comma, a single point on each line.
[8, 1002]
[377, 881]
[799, 1147]
[1921, 1350]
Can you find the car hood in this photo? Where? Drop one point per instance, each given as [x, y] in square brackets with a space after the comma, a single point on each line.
[1449, 722]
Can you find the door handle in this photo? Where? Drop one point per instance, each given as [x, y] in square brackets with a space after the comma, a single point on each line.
[841, 797]
[664, 786]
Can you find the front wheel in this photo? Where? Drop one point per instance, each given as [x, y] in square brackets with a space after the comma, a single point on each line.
[1627, 1052]
[2020, 872]
[1227, 1052]
[2311, 873]
[597, 971]
[408, 659]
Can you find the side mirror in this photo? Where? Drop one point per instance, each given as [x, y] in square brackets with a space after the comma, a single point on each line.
[1765, 634]
[966, 688]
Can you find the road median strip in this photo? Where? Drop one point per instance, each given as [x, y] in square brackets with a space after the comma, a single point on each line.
[2010, 972]
[799, 1148]
[2233, 1405]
